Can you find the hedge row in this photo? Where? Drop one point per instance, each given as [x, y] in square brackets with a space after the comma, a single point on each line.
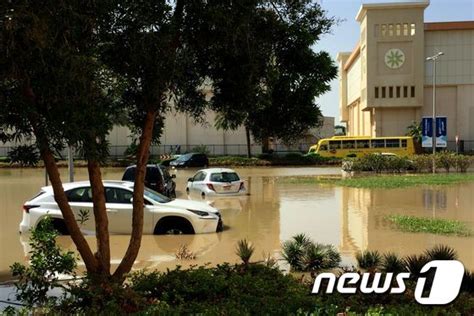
[290, 159]
[418, 163]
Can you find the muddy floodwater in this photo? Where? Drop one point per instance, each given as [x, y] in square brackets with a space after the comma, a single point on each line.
[351, 219]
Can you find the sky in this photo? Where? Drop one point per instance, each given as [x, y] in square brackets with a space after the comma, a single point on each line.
[345, 35]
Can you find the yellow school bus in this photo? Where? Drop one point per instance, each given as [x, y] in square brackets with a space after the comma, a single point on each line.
[357, 146]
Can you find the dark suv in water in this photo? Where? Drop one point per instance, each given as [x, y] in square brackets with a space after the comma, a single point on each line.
[157, 178]
[191, 160]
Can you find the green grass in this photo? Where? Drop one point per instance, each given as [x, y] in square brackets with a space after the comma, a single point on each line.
[437, 226]
[386, 181]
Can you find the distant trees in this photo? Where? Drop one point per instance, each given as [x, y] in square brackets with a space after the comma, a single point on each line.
[68, 70]
[268, 75]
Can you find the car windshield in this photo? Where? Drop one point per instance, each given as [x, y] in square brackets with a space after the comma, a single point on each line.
[184, 157]
[155, 196]
[224, 177]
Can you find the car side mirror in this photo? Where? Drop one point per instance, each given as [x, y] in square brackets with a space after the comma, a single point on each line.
[173, 176]
[190, 180]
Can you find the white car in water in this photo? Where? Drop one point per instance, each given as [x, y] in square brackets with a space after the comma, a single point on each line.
[161, 214]
[216, 182]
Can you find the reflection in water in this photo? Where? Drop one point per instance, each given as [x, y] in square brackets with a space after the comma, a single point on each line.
[351, 219]
[434, 199]
[365, 225]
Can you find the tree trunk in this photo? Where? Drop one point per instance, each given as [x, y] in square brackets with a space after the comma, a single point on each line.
[100, 216]
[249, 149]
[265, 145]
[68, 216]
[138, 202]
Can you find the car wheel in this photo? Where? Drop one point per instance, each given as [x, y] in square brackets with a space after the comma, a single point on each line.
[173, 226]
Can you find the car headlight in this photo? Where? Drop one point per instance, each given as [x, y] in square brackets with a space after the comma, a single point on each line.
[199, 213]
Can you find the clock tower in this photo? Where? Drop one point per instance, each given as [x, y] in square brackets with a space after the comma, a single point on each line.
[392, 63]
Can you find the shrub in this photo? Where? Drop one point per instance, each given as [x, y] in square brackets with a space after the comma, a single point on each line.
[47, 262]
[463, 162]
[201, 149]
[422, 163]
[445, 160]
[24, 155]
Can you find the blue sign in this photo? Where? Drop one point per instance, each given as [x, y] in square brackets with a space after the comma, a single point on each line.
[427, 133]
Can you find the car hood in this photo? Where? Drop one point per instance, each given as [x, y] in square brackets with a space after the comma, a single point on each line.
[193, 205]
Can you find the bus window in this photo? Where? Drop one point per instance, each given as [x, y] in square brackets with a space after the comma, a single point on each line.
[334, 144]
[392, 143]
[363, 143]
[404, 143]
[378, 143]
[323, 147]
[348, 144]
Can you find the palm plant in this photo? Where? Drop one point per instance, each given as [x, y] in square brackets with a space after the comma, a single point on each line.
[468, 282]
[414, 264]
[304, 255]
[369, 260]
[441, 252]
[392, 263]
[292, 252]
[244, 250]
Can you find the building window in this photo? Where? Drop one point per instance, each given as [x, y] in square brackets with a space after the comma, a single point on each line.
[412, 91]
[405, 29]
[390, 30]
[398, 29]
[384, 30]
[383, 93]
[376, 92]
[398, 92]
[390, 92]
[412, 29]
[405, 91]
[376, 30]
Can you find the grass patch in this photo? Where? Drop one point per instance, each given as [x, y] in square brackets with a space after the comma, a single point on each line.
[437, 226]
[386, 181]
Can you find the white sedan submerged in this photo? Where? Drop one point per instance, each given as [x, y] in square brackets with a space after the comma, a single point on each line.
[216, 182]
[161, 214]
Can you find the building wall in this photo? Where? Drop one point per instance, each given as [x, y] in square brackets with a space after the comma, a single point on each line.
[354, 81]
[391, 98]
[456, 66]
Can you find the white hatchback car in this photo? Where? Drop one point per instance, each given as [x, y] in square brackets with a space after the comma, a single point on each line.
[216, 182]
[161, 214]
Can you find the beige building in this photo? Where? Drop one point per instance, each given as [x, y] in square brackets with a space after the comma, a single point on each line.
[181, 130]
[386, 83]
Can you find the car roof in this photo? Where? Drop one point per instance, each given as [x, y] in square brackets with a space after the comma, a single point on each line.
[72, 185]
[217, 170]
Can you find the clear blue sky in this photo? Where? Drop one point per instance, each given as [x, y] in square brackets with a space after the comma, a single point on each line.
[346, 35]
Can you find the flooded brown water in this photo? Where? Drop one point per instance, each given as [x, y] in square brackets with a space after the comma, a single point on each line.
[351, 219]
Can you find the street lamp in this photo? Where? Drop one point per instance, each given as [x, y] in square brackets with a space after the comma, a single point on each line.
[434, 58]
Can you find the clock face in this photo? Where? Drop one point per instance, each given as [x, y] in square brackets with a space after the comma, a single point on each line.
[394, 58]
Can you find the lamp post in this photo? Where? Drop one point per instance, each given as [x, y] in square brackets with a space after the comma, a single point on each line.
[434, 58]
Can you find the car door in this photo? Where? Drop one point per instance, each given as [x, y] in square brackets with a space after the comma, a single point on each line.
[119, 211]
[198, 179]
[80, 200]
